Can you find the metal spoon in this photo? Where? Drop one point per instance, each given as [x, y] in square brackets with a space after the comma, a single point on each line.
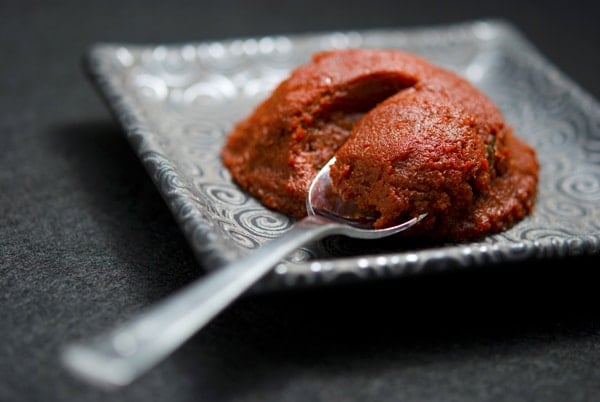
[120, 356]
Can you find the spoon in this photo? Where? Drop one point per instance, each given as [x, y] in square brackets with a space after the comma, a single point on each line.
[123, 354]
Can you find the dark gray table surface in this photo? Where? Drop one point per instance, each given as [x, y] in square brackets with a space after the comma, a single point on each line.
[85, 239]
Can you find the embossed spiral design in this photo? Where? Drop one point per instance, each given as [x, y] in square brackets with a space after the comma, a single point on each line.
[582, 186]
[216, 88]
[238, 235]
[165, 175]
[261, 222]
[224, 194]
[566, 209]
[201, 133]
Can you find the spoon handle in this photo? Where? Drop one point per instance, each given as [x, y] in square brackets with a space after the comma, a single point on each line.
[125, 353]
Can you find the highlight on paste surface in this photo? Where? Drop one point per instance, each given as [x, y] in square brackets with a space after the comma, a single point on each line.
[409, 138]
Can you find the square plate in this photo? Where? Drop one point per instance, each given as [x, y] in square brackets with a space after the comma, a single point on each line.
[177, 103]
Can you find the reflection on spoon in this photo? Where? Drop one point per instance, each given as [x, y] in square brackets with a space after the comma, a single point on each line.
[120, 356]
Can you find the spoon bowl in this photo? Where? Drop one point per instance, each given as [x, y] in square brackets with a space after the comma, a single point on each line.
[324, 201]
[123, 354]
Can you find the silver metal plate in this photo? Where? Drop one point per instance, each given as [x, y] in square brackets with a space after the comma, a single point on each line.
[178, 102]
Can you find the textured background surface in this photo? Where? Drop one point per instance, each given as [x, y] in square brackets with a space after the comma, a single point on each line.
[85, 239]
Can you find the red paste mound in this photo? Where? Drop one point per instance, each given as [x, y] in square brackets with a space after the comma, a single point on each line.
[409, 138]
